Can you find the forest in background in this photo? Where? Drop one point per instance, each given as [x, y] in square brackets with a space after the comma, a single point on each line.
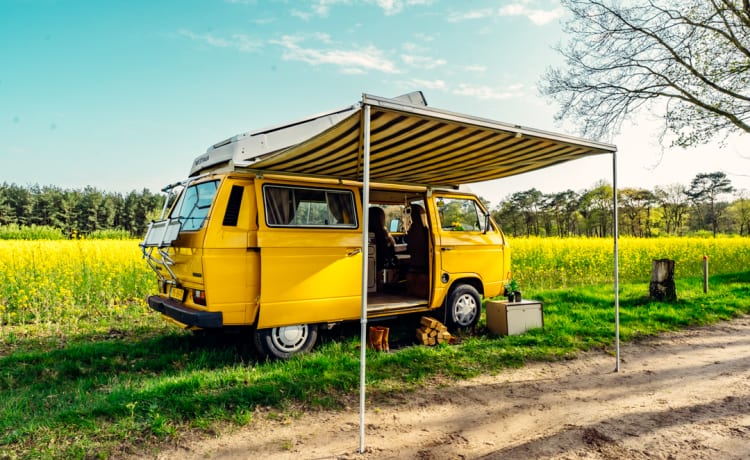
[709, 204]
[78, 212]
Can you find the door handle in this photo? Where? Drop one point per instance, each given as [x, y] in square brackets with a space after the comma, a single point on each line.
[354, 252]
[446, 249]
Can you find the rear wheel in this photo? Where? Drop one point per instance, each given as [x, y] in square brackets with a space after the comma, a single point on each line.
[285, 342]
[464, 307]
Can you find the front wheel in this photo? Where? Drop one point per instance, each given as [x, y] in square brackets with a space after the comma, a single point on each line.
[464, 307]
[285, 342]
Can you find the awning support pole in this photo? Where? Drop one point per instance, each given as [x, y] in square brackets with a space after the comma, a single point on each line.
[616, 235]
[365, 245]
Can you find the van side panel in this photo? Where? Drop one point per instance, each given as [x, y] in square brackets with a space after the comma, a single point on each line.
[231, 267]
[308, 279]
[478, 256]
[309, 275]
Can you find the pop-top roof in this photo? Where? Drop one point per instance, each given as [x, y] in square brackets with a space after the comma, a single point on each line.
[411, 143]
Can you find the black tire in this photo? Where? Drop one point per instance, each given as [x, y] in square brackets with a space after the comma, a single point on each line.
[285, 342]
[463, 308]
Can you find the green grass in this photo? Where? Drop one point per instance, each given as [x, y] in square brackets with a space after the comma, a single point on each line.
[45, 232]
[110, 234]
[30, 232]
[131, 388]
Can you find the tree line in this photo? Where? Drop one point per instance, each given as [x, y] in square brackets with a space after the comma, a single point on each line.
[670, 210]
[78, 212]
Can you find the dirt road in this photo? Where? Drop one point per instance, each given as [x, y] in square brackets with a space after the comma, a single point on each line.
[681, 395]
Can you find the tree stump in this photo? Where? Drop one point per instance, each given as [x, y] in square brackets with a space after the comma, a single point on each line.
[662, 286]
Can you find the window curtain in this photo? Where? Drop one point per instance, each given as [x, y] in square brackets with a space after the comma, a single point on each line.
[279, 206]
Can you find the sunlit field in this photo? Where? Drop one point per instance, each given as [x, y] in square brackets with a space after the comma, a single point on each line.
[57, 284]
[542, 263]
[88, 371]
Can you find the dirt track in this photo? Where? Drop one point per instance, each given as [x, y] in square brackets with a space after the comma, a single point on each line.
[682, 395]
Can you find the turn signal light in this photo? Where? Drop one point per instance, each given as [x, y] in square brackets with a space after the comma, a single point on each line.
[199, 297]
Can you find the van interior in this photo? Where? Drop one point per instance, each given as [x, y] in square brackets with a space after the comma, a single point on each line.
[399, 253]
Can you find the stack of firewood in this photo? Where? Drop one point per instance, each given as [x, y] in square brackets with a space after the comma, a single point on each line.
[432, 332]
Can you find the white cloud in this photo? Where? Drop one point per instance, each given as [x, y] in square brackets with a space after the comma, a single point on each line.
[391, 7]
[429, 84]
[475, 68]
[424, 37]
[208, 39]
[513, 9]
[304, 15]
[321, 8]
[488, 93]
[423, 62]
[263, 21]
[351, 61]
[239, 42]
[537, 16]
[541, 17]
[411, 47]
[323, 37]
[352, 71]
[318, 8]
[246, 44]
[470, 15]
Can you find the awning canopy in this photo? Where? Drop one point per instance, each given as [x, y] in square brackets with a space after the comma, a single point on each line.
[414, 144]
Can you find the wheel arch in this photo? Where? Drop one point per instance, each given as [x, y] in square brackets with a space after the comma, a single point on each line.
[446, 309]
[475, 282]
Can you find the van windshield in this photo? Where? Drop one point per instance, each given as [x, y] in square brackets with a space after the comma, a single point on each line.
[193, 205]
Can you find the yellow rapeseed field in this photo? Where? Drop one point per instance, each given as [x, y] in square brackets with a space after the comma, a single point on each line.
[557, 262]
[59, 283]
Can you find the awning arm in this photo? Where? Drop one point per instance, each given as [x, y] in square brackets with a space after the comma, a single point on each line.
[616, 235]
[365, 246]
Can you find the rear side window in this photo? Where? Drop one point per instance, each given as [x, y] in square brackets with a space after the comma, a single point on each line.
[193, 205]
[309, 207]
[232, 214]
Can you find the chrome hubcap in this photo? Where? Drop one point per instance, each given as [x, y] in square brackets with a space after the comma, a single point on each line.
[465, 310]
[290, 338]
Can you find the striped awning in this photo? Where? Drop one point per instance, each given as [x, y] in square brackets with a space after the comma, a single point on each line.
[411, 144]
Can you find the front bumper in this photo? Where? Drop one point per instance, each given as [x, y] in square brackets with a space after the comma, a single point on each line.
[187, 316]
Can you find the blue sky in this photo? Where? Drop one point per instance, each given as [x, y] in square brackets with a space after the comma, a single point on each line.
[122, 95]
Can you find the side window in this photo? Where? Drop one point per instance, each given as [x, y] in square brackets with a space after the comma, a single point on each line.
[232, 214]
[308, 207]
[460, 215]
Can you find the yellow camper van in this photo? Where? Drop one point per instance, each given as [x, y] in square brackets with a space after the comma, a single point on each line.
[299, 227]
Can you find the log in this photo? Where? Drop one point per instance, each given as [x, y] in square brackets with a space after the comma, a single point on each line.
[429, 322]
[662, 287]
[432, 332]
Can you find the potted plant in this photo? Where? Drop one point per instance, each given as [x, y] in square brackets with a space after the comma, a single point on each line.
[512, 290]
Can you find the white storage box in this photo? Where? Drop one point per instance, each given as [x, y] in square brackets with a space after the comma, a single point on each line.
[514, 318]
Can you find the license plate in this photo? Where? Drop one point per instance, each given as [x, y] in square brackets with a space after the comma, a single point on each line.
[177, 294]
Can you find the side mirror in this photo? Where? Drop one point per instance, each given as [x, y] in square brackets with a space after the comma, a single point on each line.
[486, 223]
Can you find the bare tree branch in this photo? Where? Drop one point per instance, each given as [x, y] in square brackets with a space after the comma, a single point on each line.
[621, 57]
